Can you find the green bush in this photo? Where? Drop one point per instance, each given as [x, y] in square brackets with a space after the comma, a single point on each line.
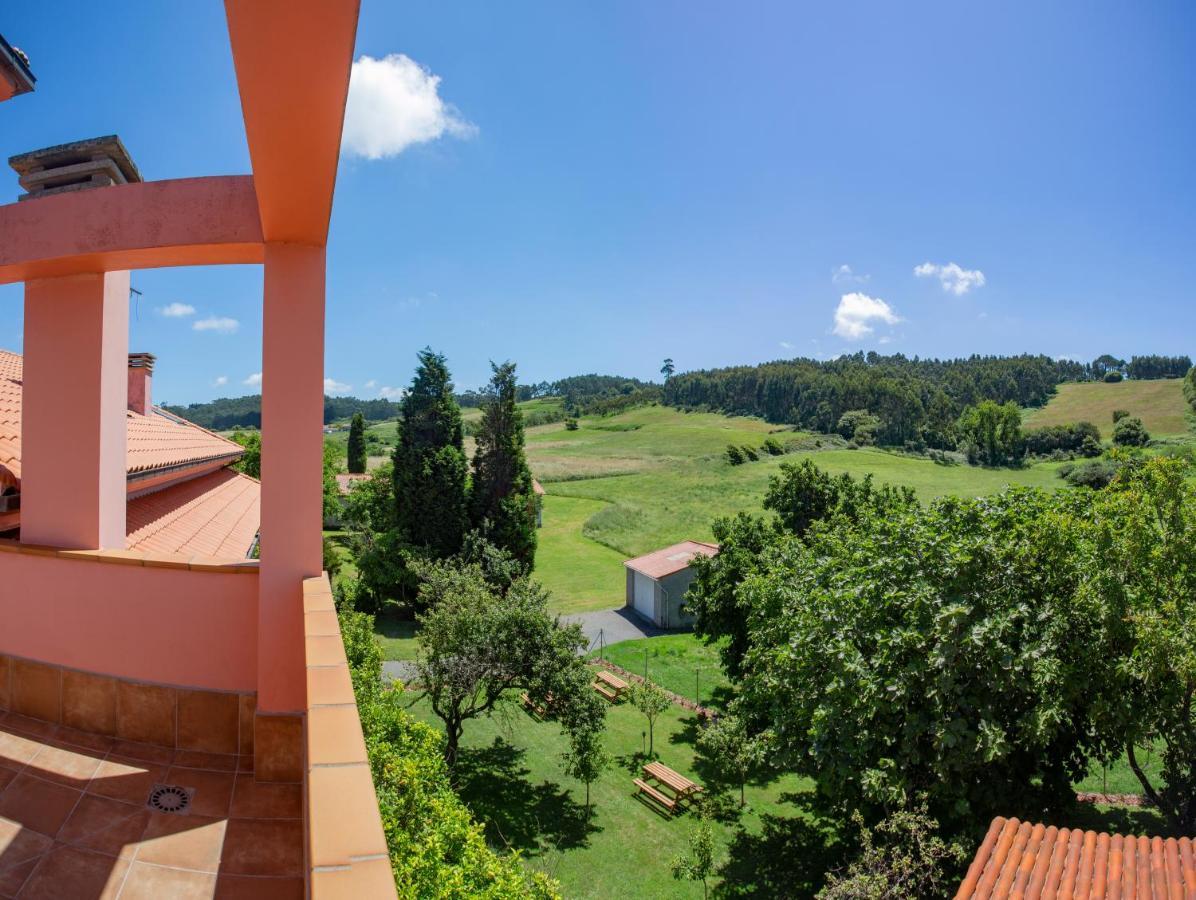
[1113, 377]
[1096, 473]
[1119, 414]
[1130, 432]
[750, 453]
[571, 424]
[773, 447]
[735, 455]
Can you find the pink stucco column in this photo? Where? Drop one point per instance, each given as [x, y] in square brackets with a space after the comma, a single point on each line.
[292, 466]
[73, 431]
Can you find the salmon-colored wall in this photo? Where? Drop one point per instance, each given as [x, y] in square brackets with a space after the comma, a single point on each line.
[292, 464]
[170, 626]
[73, 430]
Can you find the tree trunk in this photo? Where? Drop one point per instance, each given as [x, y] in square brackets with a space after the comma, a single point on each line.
[451, 745]
[1148, 788]
[651, 745]
[742, 801]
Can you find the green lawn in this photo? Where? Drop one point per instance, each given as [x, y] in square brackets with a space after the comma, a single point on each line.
[511, 777]
[397, 636]
[1159, 404]
[582, 574]
[679, 662]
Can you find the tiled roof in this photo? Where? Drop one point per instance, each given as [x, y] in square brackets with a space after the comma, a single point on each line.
[213, 515]
[156, 441]
[1021, 860]
[346, 480]
[662, 563]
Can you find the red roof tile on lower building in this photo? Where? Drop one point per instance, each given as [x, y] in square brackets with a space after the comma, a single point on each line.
[1020, 860]
[662, 563]
[213, 515]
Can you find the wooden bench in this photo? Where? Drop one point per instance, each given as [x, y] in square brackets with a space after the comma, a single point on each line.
[532, 706]
[606, 692]
[653, 794]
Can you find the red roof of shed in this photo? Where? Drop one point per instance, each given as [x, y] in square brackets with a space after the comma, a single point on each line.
[662, 563]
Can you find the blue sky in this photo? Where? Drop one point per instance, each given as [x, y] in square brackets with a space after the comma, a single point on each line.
[595, 186]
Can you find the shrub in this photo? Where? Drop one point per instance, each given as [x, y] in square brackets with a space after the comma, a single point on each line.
[1130, 432]
[1067, 438]
[735, 456]
[751, 454]
[1095, 474]
[571, 424]
[1119, 414]
[1113, 377]
[773, 447]
[860, 426]
[991, 433]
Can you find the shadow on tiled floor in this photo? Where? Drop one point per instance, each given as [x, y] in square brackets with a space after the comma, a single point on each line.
[74, 821]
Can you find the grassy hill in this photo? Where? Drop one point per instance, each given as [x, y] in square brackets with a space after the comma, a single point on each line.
[1159, 404]
[627, 484]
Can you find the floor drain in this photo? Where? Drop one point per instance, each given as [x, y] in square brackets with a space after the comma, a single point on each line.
[170, 798]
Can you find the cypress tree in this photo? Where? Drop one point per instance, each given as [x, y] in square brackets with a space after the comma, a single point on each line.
[503, 505]
[430, 468]
[357, 444]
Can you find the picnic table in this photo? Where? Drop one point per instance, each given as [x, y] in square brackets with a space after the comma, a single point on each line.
[609, 685]
[683, 790]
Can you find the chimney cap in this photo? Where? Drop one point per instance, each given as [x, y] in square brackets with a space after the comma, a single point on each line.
[14, 66]
[60, 155]
[142, 361]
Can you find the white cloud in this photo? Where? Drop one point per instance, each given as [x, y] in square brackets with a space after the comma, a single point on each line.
[857, 313]
[219, 324]
[395, 102]
[332, 386]
[371, 384]
[220, 381]
[785, 345]
[844, 275]
[954, 279]
[390, 393]
[254, 380]
[177, 310]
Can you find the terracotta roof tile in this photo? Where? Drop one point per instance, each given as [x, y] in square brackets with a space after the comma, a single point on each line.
[346, 480]
[156, 441]
[1020, 860]
[213, 515]
[662, 563]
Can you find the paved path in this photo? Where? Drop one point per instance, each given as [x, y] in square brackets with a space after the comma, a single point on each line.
[614, 625]
[398, 670]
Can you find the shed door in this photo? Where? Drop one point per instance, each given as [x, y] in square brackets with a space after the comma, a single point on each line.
[645, 596]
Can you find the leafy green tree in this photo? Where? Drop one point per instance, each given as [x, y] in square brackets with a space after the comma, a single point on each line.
[430, 470]
[1106, 363]
[651, 701]
[990, 433]
[250, 462]
[733, 749]
[357, 458]
[503, 504]
[938, 650]
[859, 425]
[735, 455]
[1130, 432]
[476, 645]
[586, 758]
[1113, 378]
[901, 858]
[698, 865]
[668, 369]
[1140, 566]
[332, 491]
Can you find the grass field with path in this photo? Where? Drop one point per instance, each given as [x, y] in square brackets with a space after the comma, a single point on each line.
[1159, 404]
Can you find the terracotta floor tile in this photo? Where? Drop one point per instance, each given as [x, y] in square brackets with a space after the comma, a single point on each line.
[263, 847]
[29, 727]
[65, 765]
[36, 804]
[104, 825]
[186, 842]
[243, 887]
[77, 874]
[146, 882]
[213, 790]
[129, 780]
[147, 752]
[85, 739]
[211, 762]
[6, 775]
[22, 851]
[254, 799]
[16, 750]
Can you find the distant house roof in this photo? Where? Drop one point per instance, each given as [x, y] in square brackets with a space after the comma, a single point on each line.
[161, 440]
[662, 563]
[346, 480]
[1018, 859]
[537, 488]
[214, 515]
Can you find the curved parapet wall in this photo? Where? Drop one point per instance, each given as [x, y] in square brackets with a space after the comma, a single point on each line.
[173, 621]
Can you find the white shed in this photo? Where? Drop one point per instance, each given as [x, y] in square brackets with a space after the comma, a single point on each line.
[657, 582]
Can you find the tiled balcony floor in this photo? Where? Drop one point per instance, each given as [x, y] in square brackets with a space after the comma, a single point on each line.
[74, 822]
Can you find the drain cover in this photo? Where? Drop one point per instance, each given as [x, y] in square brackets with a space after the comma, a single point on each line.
[170, 798]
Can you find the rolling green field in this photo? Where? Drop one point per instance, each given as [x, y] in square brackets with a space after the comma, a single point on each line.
[1159, 404]
[628, 484]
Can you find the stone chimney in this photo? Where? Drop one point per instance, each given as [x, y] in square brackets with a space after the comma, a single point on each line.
[78, 166]
[141, 371]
